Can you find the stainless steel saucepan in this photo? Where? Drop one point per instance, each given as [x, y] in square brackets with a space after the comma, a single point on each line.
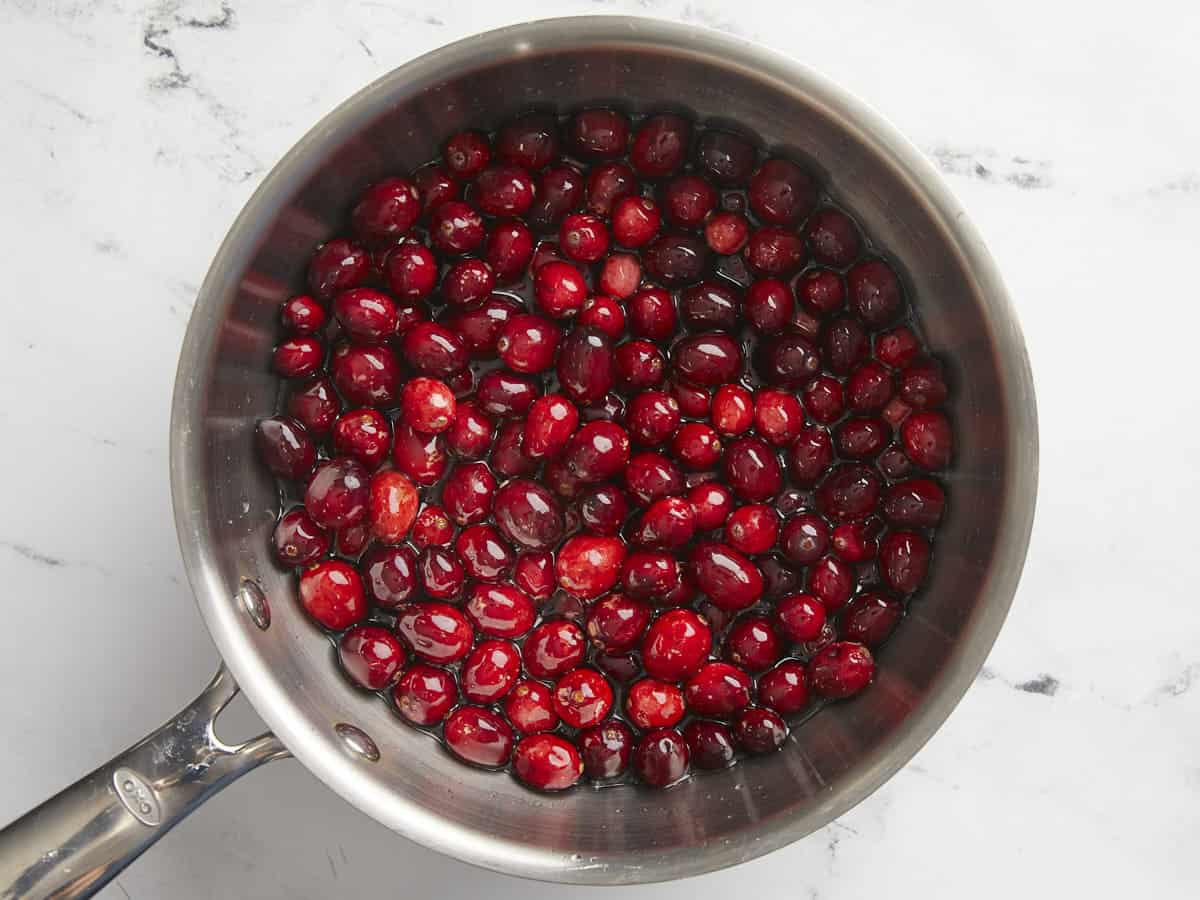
[225, 504]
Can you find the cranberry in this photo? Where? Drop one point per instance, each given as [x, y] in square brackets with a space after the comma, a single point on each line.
[583, 238]
[726, 232]
[697, 446]
[841, 670]
[617, 622]
[661, 757]
[819, 291]
[365, 376]
[442, 575]
[712, 504]
[371, 656]
[484, 553]
[752, 470]
[875, 294]
[559, 191]
[551, 422]
[635, 221]
[843, 345]
[651, 703]
[478, 736]
[693, 401]
[419, 456]
[582, 698]
[366, 314]
[869, 388]
[785, 688]
[338, 493]
[297, 357]
[732, 410]
[598, 451]
[718, 689]
[470, 434]
[530, 708]
[729, 579]
[428, 405]
[479, 327]
[436, 632]
[528, 515]
[786, 360]
[861, 438]
[916, 503]
[668, 523]
[649, 476]
[810, 455]
[768, 305]
[687, 200]
[534, 574]
[500, 610]
[604, 314]
[604, 509]
[303, 315]
[598, 133]
[298, 540]
[754, 644]
[848, 492]
[284, 446]
[527, 343]
[620, 276]
[620, 668]
[387, 210]
[897, 348]
[455, 227]
[468, 282]
[650, 575]
[389, 575]
[781, 193]
[676, 259]
[760, 730]
[508, 250]
[432, 528]
[364, 434]
[710, 744]
[708, 359]
[505, 395]
[585, 366]
[332, 593]
[870, 618]
[588, 566]
[823, 399]
[352, 539]
[831, 581]
[801, 617]
[547, 762]
[923, 387]
[855, 541]
[435, 186]
[490, 671]
[651, 314]
[559, 289]
[607, 184]
[752, 529]
[832, 237]
[660, 145]
[928, 440]
[553, 649]
[728, 158]
[904, 560]
[433, 349]
[804, 539]
[560, 479]
[611, 408]
[778, 416]
[709, 305]
[424, 694]
[652, 417]
[468, 492]
[504, 191]
[466, 153]
[337, 266]
[774, 252]
[606, 749]
[530, 141]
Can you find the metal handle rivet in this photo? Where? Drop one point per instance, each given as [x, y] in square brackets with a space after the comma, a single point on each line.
[357, 741]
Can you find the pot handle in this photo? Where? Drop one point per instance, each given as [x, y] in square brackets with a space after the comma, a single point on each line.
[76, 842]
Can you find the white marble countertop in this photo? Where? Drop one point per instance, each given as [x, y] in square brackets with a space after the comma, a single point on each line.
[135, 131]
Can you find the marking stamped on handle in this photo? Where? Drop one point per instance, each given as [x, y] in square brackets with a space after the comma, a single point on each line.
[137, 796]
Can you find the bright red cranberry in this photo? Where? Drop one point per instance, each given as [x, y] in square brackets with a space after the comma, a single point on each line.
[831, 581]
[534, 575]
[754, 644]
[508, 456]
[660, 145]
[547, 762]
[870, 618]
[553, 649]
[712, 503]
[508, 250]
[752, 469]
[778, 416]
[649, 476]
[801, 617]
[928, 440]
[786, 360]
[718, 689]
[841, 670]
[527, 343]
[898, 348]
[916, 503]
[470, 433]
[608, 184]
[729, 579]
[875, 293]
[710, 744]
[781, 193]
[598, 133]
[650, 575]
[303, 315]
[332, 593]
[687, 200]
[904, 560]
[732, 410]
[606, 749]
[411, 271]
[338, 493]
[604, 314]
[504, 191]
[468, 492]
[694, 402]
[478, 736]
[676, 259]
[389, 574]
[651, 703]
[435, 186]
[424, 694]
[583, 238]
[752, 529]
[530, 141]
[551, 422]
[804, 539]
[588, 566]
[819, 291]
[774, 252]
[604, 509]
[667, 524]
[832, 237]
[455, 227]
[598, 451]
[709, 305]
[337, 266]
[651, 314]
[559, 289]
[843, 345]
[466, 154]
[428, 405]
[635, 221]
[760, 730]
[855, 541]
[484, 553]
[298, 540]
[708, 359]
[490, 671]
[352, 539]
[431, 528]
[393, 505]
[442, 575]
[861, 438]
[726, 232]
[433, 349]
[652, 417]
[387, 210]
[620, 276]
[785, 688]
[505, 395]
[364, 434]
[467, 282]
[371, 656]
[869, 388]
[582, 698]
[365, 376]
[661, 757]
[528, 515]
[285, 447]
[500, 610]
[436, 632]
[616, 623]
[530, 709]
[297, 357]
[697, 446]
[728, 158]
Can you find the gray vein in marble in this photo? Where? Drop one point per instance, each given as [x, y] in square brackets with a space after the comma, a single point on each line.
[1043, 684]
[992, 167]
[58, 101]
[1182, 682]
[366, 49]
[1188, 183]
[33, 555]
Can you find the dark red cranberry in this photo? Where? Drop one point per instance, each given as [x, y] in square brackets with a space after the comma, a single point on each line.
[904, 560]
[470, 434]
[729, 579]
[582, 698]
[649, 476]
[841, 670]
[606, 749]
[810, 455]
[687, 200]
[315, 405]
[819, 291]
[861, 438]
[804, 539]
[760, 730]
[371, 656]
[800, 617]
[553, 649]
[831, 581]
[708, 359]
[718, 689]
[611, 408]
[442, 575]
[508, 455]
[508, 250]
[468, 492]
[712, 504]
[607, 184]
[528, 515]
[728, 158]
[285, 447]
[697, 446]
[468, 282]
[422, 457]
[589, 565]
[778, 416]
[500, 610]
[768, 305]
[303, 315]
[559, 289]
[667, 524]
[754, 644]
[484, 553]
[855, 541]
[436, 632]
[480, 326]
[604, 314]
[530, 141]
[726, 232]
[466, 154]
[490, 671]
[652, 417]
[534, 575]
[604, 510]
[620, 276]
[780, 578]
[650, 575]
[298, 540]
[785, 688]
[616, 623]
[389, 574]
[620, 668]
[676, 259]
[338, 493]
[897, 348]
[660, 145]
[583, 238]
[455, 227]
[352, 539]
[297, 357]
[337, 266]
[774, 252]
[844, 345]
[505, 395]
[504, 191]
[870, 618]
[781, 193]
[752, 529]
[709, 305]
[651, 314]
[752, 469]
[651, 703]
[530, 709]
[710, 744]
[694, 402]
[923, 387]
[424, 694]
[365, 376]
[387, 210]
[850, 491]
[332, 593]
[875, 294]
[598, 133]
[916, 503]
[433, 349]
[547, 762]
[559, 191]
[732, 410]
[435, 186]
[527, 343]
[479, 736]
[869, 388]
[832, 237]
[928, 440]
[364, 434]
[823, 399]
[432, 528]
[410, 271]
[661, 757]
[366, 315]
[598, 451]
[786, 360]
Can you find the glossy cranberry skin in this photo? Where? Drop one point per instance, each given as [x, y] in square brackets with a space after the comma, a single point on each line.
[928, 440]
[598, 133]
[468, 282]
[726, 232]
[478, 736]
[650, 575]
[469, 492]
[504, 191]
[387, 210]
[421, 457]
[490, 671]
[297, 357]
[431, 528]
[298, 540]
[604, 314]
[697, 446]
[861, 438]
[649, 476]
[781, 193]
[604, 509]
[728, 578]
[559, 191]
[598, 451]
[606, 749]
[843, 345]
[855, 541]
[752, 469]
[778, 416]
[551, 422]
[707, 359]
[831, 580]
[732, 410]
[582, 698]
[753, 644]
[823, 399]
[869, 388]
[424, 694]
[616, 622]
[365, 376]
[583, 238]
[466, 154]
[588, 565]
[436, 632]
[393, 506]
[709, 305]
[687, 200]
[832, 237]
[389, 575]
[484, 553]
[371, 656]
[435, 186]
[712, 503]
[676, 259]
[718, 689]
[660, 145]
[608, 184]
[710, 744]
[428, 405]
[874, 293]
[507, 252]
[728, 158]
[433, 349]
[850, 491]
[651, 703]
[769, 306]
[442, 575]
[760, 730]
[530, 708]
[651, 314]
[661, 757]
[667, 524]
[547, 762]
[559, 289]
[338, 493]
[410, 271]
[774, 252]
[500, 610]
[302, 315]
[904, 560]
[804, 539]
[870, 618]
[366, 315]
[785, 688]
[284, 446]
[534, 575]
[915, 503]
[528, 515]
[923, 387]
[819, 291]
[455, 228]
[364, 434]
[470, 433]
[508, 458]
[810, 455]
[585, 366]
[786, 360]
[840, 670]
[502, 394]
[553, 649]
[332, 593]
[752, 529]
[527, 343]
[530, 141]
[635, 221]
[652, 417]
[800, 617]
[337, 266]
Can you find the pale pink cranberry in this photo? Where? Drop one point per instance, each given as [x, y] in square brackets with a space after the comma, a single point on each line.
[726, 232]
[620, 276]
